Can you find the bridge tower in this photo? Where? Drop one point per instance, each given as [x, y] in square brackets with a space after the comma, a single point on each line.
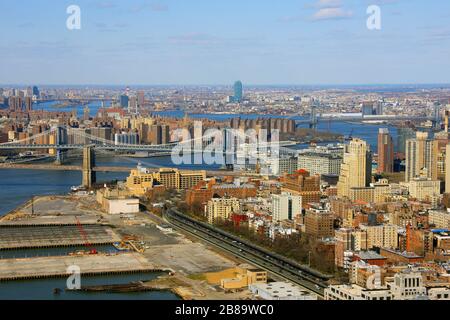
[436, 115]
[60, 139]
[89, 176]
[313, 120]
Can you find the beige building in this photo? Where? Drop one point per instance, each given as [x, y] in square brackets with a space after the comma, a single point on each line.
[381, 236]
[142, 179]
[440, 219]
[424, 188]
[365, 194]
[244, 278]
[356, 169]
[447, 172]
[382, 189]
[221, 209]
[376, 193]
[421, 157]
[115, 201]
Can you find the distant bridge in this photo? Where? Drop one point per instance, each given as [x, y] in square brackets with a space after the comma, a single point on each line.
[75, 100]
[361, 118]
[61, 135]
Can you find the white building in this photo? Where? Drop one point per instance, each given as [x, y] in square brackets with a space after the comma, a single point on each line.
[355, 292]
[424, 189]
[440, 219]
[286, 206]
[280, 291]
[118, 206]
[439, 294]
[320, 163]
[407, 285]
[282, 165]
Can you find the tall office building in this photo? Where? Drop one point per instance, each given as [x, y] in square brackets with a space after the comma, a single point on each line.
[421, 157]
[403, 134]
[124, 99]
[385, 151]
[447, 169]
[238, 91]
[15, 103]
[367, 108]
[36, 92]
[379, 108]
[141, 98]
[28, 104]
[132, 104]
[356, 169]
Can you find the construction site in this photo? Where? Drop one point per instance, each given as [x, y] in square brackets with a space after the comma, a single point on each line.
[141, 244]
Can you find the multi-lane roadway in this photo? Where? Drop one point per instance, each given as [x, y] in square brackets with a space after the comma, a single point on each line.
[280, 266]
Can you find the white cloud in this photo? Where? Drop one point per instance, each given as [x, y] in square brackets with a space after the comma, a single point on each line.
[332, 14]
[328, 3]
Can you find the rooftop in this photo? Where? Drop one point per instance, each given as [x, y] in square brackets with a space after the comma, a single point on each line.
[370, 255]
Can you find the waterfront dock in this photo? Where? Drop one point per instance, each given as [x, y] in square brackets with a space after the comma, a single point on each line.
[53, 267]
[25, 237]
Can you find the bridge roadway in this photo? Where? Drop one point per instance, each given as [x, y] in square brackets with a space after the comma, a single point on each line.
[55, 167]
[280, 266]
[120, 147]
[366, 118]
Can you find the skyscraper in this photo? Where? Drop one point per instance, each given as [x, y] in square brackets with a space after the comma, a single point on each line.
[421, 157]
[36, 92]
[367, 108]
[403, 135]
[238, 91]
[141, 98]
[385, 151]
[124, 99]
[356, 169]
[28, 104]
[447, 169]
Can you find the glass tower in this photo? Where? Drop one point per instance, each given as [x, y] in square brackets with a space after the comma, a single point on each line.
[238, 91]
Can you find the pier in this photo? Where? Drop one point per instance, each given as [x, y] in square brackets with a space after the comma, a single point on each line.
[90, 265]
[26, 237]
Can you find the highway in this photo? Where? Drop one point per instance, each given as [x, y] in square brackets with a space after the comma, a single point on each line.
[284, 268]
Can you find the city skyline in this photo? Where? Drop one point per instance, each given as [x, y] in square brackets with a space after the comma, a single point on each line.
[324, 42]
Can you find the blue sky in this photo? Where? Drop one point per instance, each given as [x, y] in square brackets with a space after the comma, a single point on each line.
[219, 41]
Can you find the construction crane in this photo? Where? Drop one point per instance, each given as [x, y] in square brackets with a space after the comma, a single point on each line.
[92, 250]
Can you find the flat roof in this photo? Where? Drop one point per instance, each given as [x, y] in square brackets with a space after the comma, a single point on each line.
[370, 255]
[282, 289]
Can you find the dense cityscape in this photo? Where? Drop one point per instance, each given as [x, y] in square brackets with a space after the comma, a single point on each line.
[332, 216]
[224, 159]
